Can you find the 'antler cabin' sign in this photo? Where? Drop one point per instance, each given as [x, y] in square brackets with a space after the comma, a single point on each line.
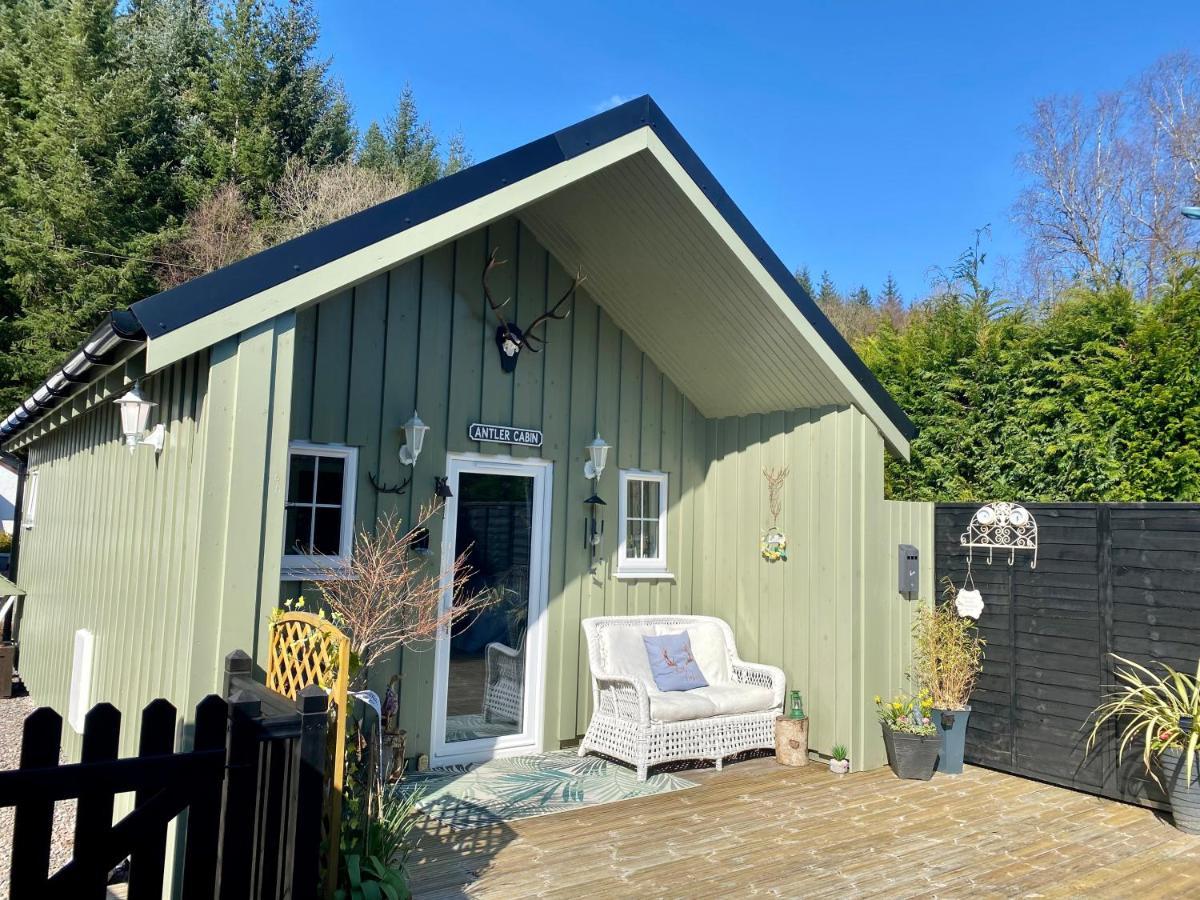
[505, 434]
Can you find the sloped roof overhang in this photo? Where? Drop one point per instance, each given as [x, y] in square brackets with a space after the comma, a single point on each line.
[782, 352]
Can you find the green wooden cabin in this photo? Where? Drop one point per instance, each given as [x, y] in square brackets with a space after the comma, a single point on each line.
[284, 382]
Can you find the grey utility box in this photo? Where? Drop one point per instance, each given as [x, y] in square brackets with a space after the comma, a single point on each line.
[910, 570]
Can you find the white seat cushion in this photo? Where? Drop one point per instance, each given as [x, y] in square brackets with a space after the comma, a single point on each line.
[735, 699]
[680, 706]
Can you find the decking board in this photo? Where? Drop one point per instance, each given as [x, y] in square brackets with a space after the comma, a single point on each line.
[757, 827]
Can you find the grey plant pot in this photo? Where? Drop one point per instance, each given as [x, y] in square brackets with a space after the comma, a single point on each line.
[951, 725]
[911, 755]
[1184, 796]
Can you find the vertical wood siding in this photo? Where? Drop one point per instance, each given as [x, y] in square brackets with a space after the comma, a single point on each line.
[830, 616]
[162, 559]
[112, 550]
[356, 381]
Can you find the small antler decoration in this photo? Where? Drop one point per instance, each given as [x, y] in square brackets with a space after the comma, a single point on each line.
[510, 338]
[775, 479]
[389, 488]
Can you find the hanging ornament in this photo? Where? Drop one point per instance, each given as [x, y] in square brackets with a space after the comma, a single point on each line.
[969, 603]
[773, 545]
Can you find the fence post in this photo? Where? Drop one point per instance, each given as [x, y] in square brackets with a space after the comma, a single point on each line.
[313, 704]
[147, 859]
[34, 819]
[241, 795]
[94, 812]
[237, 663]
[204, 816]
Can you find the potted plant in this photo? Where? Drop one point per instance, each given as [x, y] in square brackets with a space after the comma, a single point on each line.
[908, 734]
[947, 659]
[1163, 712]
[839, 763]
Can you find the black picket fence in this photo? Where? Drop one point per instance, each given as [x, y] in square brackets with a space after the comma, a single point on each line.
[251, 785]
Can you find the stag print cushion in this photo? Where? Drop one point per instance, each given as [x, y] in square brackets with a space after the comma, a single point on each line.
[671, 662]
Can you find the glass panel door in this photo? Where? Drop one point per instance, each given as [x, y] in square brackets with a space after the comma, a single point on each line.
[485, 694]
[488, 685]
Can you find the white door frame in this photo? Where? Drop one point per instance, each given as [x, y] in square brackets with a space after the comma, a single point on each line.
[530, 737]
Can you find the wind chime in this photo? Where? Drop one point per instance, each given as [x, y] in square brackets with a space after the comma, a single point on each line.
[773, 546]
[996, 526]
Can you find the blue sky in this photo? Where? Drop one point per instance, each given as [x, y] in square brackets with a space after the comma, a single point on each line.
[863, 138]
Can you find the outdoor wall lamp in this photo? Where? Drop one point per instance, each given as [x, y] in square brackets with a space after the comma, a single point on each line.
[593, 527]
[135, 416]
[597, 456]
[414, 439]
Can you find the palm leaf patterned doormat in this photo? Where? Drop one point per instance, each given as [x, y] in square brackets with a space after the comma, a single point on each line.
[519, 787]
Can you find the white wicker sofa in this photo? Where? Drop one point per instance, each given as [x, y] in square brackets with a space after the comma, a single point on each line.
[635, 722]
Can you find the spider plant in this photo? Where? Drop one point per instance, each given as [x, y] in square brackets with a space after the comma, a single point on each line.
[1153, 707]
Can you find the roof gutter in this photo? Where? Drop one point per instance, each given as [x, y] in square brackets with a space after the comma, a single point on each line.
[117, 338]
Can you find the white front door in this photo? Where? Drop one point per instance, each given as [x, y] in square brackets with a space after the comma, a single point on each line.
[490, 670]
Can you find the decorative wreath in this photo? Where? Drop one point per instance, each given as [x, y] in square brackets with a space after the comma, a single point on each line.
[774, 546]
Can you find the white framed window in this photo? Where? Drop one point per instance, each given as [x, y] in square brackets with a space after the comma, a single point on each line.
[642, 515]
[29, 515]
[318, 510]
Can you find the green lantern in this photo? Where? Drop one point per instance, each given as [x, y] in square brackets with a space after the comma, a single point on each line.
[797, 705]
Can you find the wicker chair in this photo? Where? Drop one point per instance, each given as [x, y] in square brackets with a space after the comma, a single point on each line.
[636, 723]
[504, 684]
[504, 681]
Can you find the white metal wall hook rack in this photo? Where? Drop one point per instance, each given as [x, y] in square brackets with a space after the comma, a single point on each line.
[1002, 526]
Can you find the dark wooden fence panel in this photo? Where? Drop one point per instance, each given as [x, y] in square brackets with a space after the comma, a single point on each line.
[252, 785]
[1110, 578]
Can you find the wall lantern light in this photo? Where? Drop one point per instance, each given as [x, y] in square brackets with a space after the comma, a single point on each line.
[597, 456]
[441, 487]
[414, 439]
[135, 416]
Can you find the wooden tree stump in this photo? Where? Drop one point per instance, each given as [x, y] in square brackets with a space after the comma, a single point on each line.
[791, 741]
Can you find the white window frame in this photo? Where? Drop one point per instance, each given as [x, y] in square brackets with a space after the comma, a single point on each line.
[304, 566]
[642, 568]
[29, 514]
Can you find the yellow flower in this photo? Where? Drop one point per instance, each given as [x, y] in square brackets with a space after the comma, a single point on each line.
[878, 699]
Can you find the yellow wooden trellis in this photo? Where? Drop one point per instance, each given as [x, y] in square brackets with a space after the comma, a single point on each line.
[305, 649]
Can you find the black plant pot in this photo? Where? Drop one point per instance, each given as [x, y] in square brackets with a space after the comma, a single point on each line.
[911, 755]
[1184, 796]
[951, 725]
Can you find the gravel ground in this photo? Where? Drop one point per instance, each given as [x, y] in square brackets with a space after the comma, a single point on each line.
[12, 715]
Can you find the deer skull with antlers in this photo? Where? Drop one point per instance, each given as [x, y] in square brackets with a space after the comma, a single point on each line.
[511, 339]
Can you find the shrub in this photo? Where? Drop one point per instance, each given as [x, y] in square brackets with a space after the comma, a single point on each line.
[947, 654]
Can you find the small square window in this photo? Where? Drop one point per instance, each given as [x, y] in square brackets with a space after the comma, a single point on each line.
[642, 514]
[318, 520]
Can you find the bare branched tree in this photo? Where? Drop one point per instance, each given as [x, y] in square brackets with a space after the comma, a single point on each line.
[307, 197]
[223, 228]
[1107, 180]
[385, 597]
[219, 231]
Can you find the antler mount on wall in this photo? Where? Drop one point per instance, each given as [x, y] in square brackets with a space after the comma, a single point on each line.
[511, 338]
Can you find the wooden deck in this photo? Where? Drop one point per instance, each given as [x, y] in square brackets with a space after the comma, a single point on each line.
[760, 829]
